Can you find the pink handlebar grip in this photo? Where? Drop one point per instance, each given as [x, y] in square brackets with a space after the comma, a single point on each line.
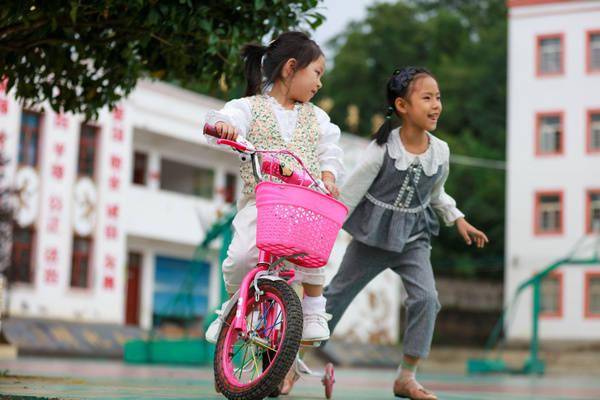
[210, 130]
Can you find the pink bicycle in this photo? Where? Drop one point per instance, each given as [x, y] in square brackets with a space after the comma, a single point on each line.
[297, 221]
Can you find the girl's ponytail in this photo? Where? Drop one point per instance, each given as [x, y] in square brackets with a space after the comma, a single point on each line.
[383, 133]
[252, 54]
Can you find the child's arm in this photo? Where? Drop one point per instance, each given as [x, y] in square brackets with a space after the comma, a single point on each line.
[329, 152]
[443, 204]
[446, 208]
[363, 175]
[232, 120]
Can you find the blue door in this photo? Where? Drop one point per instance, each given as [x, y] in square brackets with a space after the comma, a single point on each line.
[180, 288]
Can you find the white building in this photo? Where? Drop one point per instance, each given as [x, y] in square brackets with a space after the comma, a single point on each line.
[553, 196]
[109, 213]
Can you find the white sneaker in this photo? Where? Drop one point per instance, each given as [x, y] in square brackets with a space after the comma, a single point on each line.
[315, 326]
[212, 332]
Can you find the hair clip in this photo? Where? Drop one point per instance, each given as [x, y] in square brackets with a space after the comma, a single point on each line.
[402, 77]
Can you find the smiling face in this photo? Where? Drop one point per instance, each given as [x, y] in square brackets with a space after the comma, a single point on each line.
[423, 106]
[305, 83]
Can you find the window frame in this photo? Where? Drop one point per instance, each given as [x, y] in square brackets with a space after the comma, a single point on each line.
[586, 293]
[588, 134]
[558, 275]
[211, 170]
[94, 146]
[538, 133]
[38, 151]
[537, 217]
[79, 256]
[134, 170]
[538, 54]
[588, 209]
[31, 246]
[588, 51]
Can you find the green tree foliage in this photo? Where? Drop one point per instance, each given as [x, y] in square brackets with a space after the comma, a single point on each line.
[83, 55]
[463, 43]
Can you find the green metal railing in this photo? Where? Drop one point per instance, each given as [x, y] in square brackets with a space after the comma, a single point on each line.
[533, 365]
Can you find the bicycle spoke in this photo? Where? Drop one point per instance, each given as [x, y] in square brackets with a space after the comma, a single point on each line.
[275, 324]
[240, 348]
[256, 368]
[243, 363]
[265, 315]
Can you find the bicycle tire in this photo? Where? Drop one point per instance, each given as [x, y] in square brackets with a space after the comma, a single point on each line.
[268, 381]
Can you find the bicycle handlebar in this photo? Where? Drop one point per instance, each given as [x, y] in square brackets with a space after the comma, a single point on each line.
[246, 147]
[211, 130]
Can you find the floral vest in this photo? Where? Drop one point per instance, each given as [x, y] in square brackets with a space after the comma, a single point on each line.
[265, 134]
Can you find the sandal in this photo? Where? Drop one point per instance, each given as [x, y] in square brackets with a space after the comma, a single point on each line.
[289, 381]
[411, 389]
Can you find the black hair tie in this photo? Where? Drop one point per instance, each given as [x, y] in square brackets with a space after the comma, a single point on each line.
[390, 111]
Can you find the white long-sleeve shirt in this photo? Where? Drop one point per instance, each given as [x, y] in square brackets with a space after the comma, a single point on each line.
[238, 113]
[436, 156]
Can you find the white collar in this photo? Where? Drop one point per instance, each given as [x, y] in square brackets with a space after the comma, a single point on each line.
[436, 154]
[277, 105]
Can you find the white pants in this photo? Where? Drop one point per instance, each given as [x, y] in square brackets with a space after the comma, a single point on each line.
[242, 254]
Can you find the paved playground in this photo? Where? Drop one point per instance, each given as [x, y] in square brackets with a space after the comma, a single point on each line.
[27, 378]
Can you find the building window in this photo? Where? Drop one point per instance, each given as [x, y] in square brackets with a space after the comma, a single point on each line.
[592, 295]
[140, 165]
[551, 295]
[593, 133]
[550, 54]
[186, 179]
[548, 213]
[21, 266]
[29, 138]
[593, 51]
[80, 265]
[549, 134]
[230, 187]
[593, 211]
[88, 139]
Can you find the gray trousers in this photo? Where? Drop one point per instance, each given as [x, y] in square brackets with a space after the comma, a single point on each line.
[362, 263]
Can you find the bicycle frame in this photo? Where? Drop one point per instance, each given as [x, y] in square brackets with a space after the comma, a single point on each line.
[265, 259]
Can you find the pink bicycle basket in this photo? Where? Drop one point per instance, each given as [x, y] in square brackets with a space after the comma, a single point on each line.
[296, 220]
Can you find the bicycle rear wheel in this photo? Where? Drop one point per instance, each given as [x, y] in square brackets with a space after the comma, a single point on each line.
[274, 330]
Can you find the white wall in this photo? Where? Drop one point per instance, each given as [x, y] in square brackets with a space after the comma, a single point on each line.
[573, 172]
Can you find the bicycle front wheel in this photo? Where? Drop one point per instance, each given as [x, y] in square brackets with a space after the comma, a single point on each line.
[251, 366]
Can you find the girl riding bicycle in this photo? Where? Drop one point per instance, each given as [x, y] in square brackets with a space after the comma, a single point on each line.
[276, 114]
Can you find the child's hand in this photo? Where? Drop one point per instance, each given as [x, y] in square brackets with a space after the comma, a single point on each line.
[226, 131]
[329, 181]
[470, 233]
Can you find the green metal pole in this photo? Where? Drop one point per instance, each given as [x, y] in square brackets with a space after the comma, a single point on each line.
[536, 321]
[534, 365]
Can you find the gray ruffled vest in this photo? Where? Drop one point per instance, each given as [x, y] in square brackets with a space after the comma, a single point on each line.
[396, 207]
